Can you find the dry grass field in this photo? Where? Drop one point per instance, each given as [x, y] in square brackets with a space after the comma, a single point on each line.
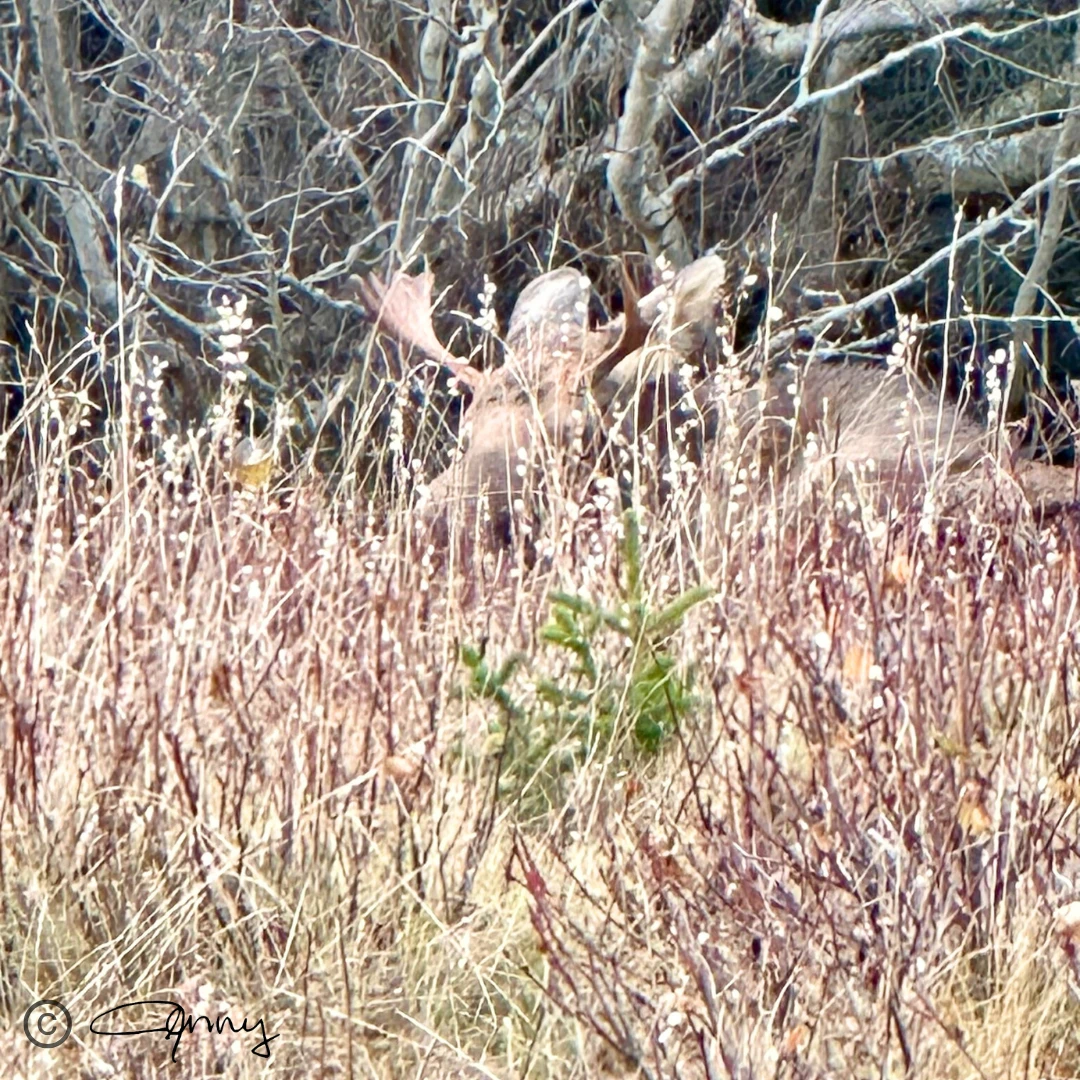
[538, 540]
[746, 786]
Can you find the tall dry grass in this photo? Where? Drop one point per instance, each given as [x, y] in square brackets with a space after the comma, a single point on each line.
[240, 772]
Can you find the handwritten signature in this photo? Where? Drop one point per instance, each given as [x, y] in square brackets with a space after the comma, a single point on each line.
[177, 1023]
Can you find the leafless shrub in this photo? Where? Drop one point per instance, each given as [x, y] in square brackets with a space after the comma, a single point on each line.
[859, 842]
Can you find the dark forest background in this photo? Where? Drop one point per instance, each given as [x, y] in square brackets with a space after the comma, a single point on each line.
[157, 157]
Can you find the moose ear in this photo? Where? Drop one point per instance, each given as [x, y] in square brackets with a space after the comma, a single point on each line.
[554, 304]
[699, 290]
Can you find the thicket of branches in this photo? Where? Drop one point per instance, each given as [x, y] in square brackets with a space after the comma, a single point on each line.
[158, 156]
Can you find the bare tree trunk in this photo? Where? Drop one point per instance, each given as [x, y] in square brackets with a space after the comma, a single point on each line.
[634, 171]
[834, 143]
[85, 231]
[1027, 370]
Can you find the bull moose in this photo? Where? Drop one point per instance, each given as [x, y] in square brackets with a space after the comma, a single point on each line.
[564, 381]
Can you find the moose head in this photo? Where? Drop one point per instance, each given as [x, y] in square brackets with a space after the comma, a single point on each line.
[539, 403]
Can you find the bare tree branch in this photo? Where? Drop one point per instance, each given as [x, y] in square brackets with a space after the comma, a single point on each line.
[804, 100]
[634, 172]
[834, 143]
[746, 29]
[972, 163]
[1035, 279]
[86, 237]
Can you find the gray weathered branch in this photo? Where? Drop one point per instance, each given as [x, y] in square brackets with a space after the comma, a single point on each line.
[82, 223]
[1034, 281]
[634, 172]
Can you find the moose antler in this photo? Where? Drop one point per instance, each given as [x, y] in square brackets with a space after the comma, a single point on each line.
[634, 332]
[402, 311]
